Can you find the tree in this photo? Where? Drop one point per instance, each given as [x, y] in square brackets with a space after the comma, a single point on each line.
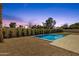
[65, 26]
[12, 25]
[74, 26]
[37, 26]
[21, 26]
[54, 22]
[1, 34]
[49, 23]
[34, 26]
[30, 24]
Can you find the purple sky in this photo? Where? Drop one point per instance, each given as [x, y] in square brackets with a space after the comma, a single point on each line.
[37, 13]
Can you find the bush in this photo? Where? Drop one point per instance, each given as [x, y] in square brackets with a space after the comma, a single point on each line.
[32, 31]
[1, 36]
[19, 32]
[57, 30]
[23, 32]
[5, 33]
[12, 32]
[28, 32]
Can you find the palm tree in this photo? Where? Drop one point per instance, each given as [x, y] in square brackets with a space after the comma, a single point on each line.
[1, 35]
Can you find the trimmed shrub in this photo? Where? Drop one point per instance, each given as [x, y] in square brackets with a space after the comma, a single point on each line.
[12, 32]
[32, 31]
[5, 33]
[19, 32]
[1, 37]
[28, 32]
[23, 32]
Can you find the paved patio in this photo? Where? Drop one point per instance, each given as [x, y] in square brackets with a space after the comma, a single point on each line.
[70, 42]
[31, 46]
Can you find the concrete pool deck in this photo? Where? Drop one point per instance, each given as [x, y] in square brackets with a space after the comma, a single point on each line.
[31, 46]
[70, 42]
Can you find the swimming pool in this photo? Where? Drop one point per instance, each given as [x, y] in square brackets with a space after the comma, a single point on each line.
[49, 37]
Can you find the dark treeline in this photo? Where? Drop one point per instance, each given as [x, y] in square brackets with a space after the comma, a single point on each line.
[49, 23]
[72, 26]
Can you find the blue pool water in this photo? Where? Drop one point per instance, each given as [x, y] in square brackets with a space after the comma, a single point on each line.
[50, 37]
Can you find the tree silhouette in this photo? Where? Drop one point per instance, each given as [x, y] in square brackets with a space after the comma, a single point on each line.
[65, 26]
[12, 25]
[49, 23]
[74, 26]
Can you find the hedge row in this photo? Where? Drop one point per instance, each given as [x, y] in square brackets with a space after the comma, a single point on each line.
[18, 32]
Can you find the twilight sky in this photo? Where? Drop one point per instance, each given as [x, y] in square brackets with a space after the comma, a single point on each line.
[36, 13]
